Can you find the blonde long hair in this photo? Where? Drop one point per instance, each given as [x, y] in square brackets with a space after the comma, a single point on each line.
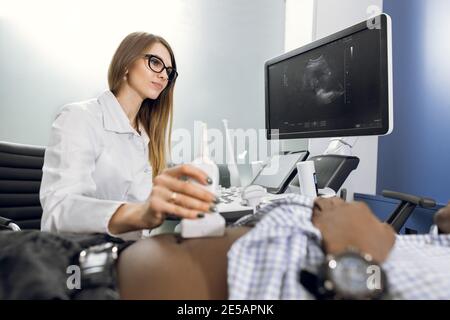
[156, 116]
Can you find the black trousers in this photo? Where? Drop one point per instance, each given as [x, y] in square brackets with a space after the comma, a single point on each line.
[35, 264]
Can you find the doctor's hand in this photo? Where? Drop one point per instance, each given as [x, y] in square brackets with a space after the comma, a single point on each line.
[345, 225]
[442, 219]
[172, 193]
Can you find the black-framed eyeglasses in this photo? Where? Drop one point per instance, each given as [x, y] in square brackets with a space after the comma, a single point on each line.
[157, 65]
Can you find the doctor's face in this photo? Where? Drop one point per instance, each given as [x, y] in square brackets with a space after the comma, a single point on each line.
[149, 75]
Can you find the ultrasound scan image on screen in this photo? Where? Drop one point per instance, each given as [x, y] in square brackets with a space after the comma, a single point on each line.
[340, 85]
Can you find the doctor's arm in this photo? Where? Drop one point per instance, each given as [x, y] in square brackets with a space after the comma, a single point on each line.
[68, 189]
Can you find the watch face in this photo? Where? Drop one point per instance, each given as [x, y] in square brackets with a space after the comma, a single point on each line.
[350, 275]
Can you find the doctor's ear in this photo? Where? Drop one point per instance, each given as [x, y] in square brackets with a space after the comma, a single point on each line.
[125, 77]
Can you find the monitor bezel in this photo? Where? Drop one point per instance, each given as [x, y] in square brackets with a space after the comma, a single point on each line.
[386, 82]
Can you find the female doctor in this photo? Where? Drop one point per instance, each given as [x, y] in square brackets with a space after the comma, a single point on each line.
[105, 166]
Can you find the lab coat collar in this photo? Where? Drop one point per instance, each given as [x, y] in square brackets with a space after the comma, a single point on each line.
[114, 117]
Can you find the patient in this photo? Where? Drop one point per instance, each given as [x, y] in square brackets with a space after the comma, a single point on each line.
[197, 268]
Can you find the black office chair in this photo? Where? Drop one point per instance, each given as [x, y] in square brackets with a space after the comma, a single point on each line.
[20, 180]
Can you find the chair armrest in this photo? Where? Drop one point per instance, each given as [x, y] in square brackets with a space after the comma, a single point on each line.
[418, 201]
[8, 224]
[404, 210]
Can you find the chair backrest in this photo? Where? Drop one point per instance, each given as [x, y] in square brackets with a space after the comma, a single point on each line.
[20, 181]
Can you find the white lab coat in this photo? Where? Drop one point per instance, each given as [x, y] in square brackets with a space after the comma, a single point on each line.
[95, 161]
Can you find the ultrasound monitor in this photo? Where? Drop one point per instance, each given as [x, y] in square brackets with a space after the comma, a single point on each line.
[337, 86]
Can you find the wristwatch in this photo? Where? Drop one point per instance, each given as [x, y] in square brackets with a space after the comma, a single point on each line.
[350, 275]
[97, 265]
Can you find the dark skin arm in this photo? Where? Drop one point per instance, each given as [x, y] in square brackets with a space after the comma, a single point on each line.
[345, 225]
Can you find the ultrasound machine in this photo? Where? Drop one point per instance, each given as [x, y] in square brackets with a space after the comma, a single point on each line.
[336, 87]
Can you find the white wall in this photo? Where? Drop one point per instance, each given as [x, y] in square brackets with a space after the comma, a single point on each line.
[53, 52]
[299, 23]
[331, 16]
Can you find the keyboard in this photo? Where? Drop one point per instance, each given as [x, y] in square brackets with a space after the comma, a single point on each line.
[232, 206]
[230, 195]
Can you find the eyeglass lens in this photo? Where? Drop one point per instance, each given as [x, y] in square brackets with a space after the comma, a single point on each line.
[158, 66]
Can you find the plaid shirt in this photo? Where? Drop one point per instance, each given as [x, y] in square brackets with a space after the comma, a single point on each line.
[265, 263]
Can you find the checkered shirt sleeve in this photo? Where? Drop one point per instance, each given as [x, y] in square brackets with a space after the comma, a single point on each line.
[265, 263]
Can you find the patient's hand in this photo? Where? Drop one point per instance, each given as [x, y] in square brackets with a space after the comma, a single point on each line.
[345, 225]
[442, 219]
